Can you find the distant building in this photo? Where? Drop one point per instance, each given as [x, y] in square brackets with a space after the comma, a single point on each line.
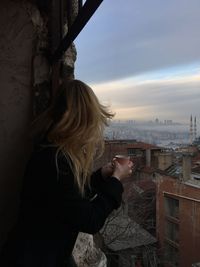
[168, 122]
[193, 129]
[175, 193]
[143, 154]
[178, 211]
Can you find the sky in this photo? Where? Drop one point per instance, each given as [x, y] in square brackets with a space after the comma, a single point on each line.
[143, 58]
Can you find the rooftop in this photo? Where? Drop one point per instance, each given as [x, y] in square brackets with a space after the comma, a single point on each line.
[174, 170]
[123, 233]
[196, 169]
[134, 144]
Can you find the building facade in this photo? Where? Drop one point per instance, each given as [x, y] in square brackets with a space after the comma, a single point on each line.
[178, 219]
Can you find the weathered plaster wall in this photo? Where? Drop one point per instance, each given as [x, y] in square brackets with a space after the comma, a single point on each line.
[16, 47]
[24, 93]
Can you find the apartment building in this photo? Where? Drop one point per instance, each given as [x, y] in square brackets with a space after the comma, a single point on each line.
[178, 213]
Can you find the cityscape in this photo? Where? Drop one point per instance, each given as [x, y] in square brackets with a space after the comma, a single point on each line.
[167, 133]
[142, 61]
[154, 227]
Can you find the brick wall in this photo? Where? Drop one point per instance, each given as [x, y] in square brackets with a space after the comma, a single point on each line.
[187, 223]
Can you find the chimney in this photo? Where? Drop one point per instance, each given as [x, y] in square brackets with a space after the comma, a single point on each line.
[191, 130]
[148, 157]
[186, 171]
[164, 160]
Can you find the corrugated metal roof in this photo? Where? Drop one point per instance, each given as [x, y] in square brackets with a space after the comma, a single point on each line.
[174, 170]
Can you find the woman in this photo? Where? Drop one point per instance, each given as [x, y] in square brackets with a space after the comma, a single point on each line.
[60, 196]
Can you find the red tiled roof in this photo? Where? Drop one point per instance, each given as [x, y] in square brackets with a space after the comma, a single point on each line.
[141, 145]
[148, 169]
[146, 184]
[136, 145]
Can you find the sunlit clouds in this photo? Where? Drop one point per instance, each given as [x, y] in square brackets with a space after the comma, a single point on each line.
[148, 97]
[142, 58]
[127, 38]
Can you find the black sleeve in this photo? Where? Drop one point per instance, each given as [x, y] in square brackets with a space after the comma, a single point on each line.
[96, 181]
[100, 185]
[81, 213]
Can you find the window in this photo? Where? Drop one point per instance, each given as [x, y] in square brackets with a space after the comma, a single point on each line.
[172, 207]
[134, 152]
[172, 231]
[131, 152]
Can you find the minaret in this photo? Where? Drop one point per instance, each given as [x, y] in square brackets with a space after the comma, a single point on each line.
[195, 128]
[191, 130]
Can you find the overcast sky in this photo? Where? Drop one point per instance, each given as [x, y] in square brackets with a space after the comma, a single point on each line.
[143, 58]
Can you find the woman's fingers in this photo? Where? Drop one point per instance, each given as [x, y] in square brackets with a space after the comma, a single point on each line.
[130, 164]
[122, 170]
[107, 169]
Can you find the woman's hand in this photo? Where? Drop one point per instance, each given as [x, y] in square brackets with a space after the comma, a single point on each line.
[122, 171]
[107, 170]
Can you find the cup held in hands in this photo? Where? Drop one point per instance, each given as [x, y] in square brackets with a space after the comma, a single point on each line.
[122, 159]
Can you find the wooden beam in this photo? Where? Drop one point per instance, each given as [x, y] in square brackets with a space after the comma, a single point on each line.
[83, 17]
[55, 30]
[80, 4]
[55, 27]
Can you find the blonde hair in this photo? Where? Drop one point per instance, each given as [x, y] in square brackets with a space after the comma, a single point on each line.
[77, 122]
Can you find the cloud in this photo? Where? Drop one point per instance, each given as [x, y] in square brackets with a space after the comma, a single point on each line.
[142, 57]
[171, 97]
[125, 38]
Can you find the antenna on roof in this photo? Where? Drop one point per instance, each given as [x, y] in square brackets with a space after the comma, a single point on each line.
[195, 128]
[191, 130]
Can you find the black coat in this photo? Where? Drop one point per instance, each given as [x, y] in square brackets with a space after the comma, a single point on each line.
[52, 211]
